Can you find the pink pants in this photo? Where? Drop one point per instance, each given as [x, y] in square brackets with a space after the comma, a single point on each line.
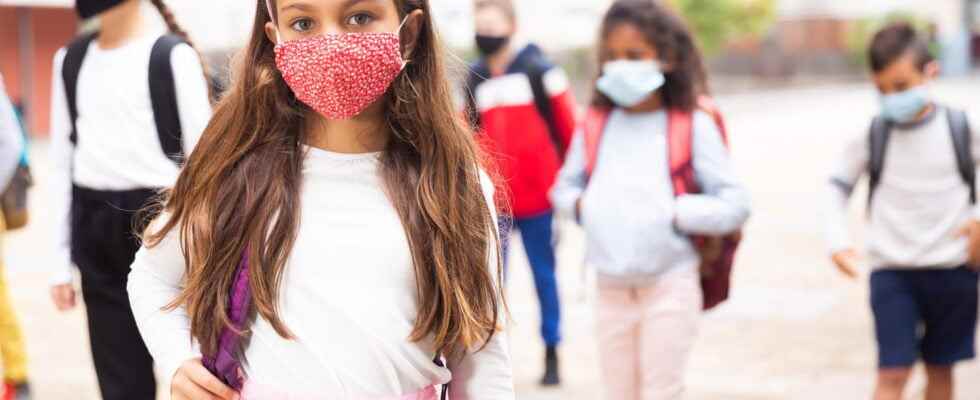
[646, 334]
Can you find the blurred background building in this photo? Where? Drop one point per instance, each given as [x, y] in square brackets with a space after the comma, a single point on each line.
[760, 40]
[829, 36]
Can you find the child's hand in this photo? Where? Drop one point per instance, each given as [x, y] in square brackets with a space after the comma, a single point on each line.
[63, 296]
[971, 231]
[194, 382]
[847, 262]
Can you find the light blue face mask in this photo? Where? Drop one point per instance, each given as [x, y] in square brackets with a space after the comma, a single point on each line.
[903, 107]
[629, 83]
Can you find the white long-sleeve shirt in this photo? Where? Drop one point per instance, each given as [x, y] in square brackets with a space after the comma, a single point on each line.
[920, 203]
[348, 295]
[11, 139]
[628, 208]
[118, 146]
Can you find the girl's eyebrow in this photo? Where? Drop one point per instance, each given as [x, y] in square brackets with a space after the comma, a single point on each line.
[350, 3]
[301, 6]
[304, 6]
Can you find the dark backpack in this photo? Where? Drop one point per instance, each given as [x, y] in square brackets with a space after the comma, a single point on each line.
[536, 69]
[959, 128]
[13, 199]
[163, 94]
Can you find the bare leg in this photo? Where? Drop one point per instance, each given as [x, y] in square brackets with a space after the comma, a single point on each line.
[940, 385]
[891, 383]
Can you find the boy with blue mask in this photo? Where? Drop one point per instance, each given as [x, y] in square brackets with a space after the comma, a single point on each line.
[924, 238]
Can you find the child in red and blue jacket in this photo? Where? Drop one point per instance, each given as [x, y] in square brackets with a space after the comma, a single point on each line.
[522, 105]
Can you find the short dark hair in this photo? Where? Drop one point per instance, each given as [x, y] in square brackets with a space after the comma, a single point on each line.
[895, 41]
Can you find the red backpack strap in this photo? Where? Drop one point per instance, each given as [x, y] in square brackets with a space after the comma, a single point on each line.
[593, 127]
[680, 132]
[708, 105]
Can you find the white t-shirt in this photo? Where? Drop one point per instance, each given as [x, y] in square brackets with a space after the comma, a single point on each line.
[349, 297]
[118, 146]
[636, 228]
[920, 203]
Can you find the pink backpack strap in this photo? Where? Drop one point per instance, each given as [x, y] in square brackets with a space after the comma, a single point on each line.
[708, 105]
[680, 140]
[680, 132]
[593, 128]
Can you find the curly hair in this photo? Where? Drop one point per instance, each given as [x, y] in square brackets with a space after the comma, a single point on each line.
[669, 34]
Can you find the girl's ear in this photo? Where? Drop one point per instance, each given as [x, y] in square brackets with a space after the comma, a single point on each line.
[410, 33]
[271, 32]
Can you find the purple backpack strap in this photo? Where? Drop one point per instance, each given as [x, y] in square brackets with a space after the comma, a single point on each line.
[226, 365]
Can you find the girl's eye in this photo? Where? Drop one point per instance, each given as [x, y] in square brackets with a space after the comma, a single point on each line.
[360, 19]
[302, 25]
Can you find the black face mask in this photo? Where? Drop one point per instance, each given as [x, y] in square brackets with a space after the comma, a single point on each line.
[90, 8]
[490, 44]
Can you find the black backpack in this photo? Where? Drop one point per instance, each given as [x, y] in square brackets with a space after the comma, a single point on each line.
[163, 93]
[959, 128]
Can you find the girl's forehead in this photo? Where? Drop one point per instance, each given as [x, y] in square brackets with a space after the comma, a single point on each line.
[276, 7]
[490, 11]
[327, 3]
[627, 34]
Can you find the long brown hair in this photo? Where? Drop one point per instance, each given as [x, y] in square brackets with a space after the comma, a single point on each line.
[665, 30]
[240, 191]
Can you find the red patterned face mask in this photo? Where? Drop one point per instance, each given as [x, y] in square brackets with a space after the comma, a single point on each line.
[340, 75]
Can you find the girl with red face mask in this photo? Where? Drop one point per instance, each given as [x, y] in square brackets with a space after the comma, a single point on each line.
[333, 236]
[129, 103]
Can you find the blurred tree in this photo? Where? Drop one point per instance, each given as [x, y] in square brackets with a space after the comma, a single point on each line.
[717, 22]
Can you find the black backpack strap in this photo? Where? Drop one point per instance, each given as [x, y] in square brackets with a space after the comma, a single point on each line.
[959, 128]
[536, 71]
[70, 68]
[881, 130]
[163, 95]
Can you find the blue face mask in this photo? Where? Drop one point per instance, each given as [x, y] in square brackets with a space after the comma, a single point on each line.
[629, 83]
[903, 107]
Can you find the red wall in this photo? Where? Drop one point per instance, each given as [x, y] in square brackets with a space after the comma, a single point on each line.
[52, 29]
[9, 51]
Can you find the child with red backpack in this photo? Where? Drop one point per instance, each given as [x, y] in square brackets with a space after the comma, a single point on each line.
[649, 171]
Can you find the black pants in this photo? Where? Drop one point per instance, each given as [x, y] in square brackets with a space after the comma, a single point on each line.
[103, 244]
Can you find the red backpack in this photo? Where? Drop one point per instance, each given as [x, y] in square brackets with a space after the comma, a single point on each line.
[717, 253]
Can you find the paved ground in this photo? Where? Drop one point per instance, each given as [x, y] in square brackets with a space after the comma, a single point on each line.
[794, 329]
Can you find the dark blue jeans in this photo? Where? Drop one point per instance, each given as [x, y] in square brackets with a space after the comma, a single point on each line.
[536, 234]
